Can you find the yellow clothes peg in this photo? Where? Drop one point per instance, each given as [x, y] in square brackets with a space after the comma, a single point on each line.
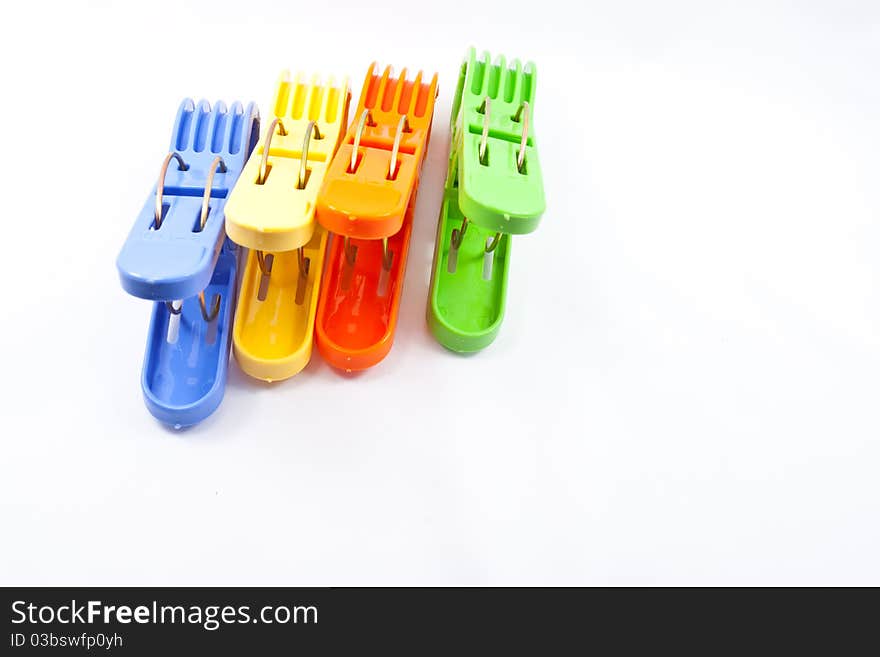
[271, 211]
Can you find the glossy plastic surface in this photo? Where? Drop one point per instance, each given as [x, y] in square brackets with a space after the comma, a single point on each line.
[184, 373]
[275, 319]
[276, 215]
[357, 311]
[366, 203]
[176, 260]
[468, 284]
[468, 288]
[494, 194]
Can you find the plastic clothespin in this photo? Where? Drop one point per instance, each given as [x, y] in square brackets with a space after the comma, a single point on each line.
[367, 200]
[177, 254]
[494, 189]
[271, 211]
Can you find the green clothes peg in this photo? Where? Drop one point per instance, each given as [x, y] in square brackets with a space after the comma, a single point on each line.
[494, 189]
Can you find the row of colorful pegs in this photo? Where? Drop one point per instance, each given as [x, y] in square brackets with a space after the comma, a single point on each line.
[310, 177]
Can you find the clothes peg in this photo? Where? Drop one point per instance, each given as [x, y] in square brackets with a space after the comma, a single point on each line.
[177, 255]
[367, 201]
[493, 190]
[271, 211]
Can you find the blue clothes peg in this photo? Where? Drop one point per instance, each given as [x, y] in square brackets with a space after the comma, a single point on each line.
[177, 255]
[171, 251]
[184, 374]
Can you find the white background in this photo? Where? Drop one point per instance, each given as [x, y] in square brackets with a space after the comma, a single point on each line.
[685, 388]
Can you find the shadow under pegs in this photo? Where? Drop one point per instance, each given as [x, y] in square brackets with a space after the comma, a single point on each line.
[493, 190]
[367, 201]
[271, 211]
[177, 255]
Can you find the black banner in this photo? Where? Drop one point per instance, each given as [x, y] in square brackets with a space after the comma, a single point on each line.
[253, 621]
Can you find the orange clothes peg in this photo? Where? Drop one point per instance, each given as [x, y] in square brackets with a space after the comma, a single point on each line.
[367, 200]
